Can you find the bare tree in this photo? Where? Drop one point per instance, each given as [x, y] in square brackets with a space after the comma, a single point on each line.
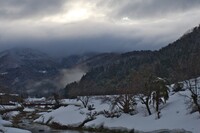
[143, 80]
[193, 84]
[84, 100]
[57, 100]
[193, 87]
[189, 71]
[124, 102]
[146, 99]
[120, 103]
[178, 86]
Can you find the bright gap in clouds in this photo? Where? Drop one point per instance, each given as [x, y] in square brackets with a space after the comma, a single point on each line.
[75, 12]
[73, 15]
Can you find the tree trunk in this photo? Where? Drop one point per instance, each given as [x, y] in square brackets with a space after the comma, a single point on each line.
[157, 103]
[148, 109]
[146, 103]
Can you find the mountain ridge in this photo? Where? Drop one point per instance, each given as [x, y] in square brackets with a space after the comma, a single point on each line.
[107, 73]
[112, 78]
[22, 66]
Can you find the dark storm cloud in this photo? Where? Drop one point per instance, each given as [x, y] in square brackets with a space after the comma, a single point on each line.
[24, 9]
[16, 9]
[107, 43]
[149, 8]
[109, 26]
[105, 38]
[82, 38]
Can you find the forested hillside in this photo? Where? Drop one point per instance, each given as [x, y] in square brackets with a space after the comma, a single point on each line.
[177, 61]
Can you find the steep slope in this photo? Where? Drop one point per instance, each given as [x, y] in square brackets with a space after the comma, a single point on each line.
[172, 62]
[89, 60]
[182, 54]
[99, 60]
[112, 76]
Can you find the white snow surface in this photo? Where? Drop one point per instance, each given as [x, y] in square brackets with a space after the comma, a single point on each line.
[174, 115]
[3, 107]
[70, 115]
[13, 130]
[11, 114]
[35, 99]
[71, 102]
[29, 110]
[4, 123]
[5, 129]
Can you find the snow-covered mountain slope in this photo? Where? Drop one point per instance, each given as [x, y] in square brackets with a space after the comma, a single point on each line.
[19, 57]
[20, 67]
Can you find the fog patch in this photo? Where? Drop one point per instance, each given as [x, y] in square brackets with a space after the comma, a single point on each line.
[46, 87]
[70, 75]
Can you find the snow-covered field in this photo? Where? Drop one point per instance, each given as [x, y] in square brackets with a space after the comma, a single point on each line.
[174, 115]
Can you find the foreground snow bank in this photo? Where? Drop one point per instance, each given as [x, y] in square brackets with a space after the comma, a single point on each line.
[70, 115]
[13, 130]
[174, 115]
[10, 107]
[4, 129]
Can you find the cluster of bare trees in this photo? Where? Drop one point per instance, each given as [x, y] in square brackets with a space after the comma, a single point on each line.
[84, 100]
[194, 88]
[124, 103]
[143, 86]
[188, 72]
[152, 91]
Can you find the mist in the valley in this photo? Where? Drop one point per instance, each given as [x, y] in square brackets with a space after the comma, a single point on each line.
[70, 75]
[48, 86]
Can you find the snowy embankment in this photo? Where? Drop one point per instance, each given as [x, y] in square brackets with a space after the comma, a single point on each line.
[5, 127]
[10, 107]
[174, 115]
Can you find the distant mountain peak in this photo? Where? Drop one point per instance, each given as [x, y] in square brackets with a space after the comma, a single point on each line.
[23, 68]
[24, 53]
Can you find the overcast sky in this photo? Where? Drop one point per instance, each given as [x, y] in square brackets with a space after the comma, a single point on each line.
[66, 27]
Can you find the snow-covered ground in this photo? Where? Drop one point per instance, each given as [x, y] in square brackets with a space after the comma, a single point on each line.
[9, 107]
[4, 127]
[174, 115]
[35, 100]
[28, 110]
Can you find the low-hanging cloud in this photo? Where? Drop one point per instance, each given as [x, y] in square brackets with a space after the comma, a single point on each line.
[148, 9]
[29, 9]
[70, 75]
[75, 27]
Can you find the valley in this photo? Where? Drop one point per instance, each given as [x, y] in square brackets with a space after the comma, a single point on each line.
[141, 91]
